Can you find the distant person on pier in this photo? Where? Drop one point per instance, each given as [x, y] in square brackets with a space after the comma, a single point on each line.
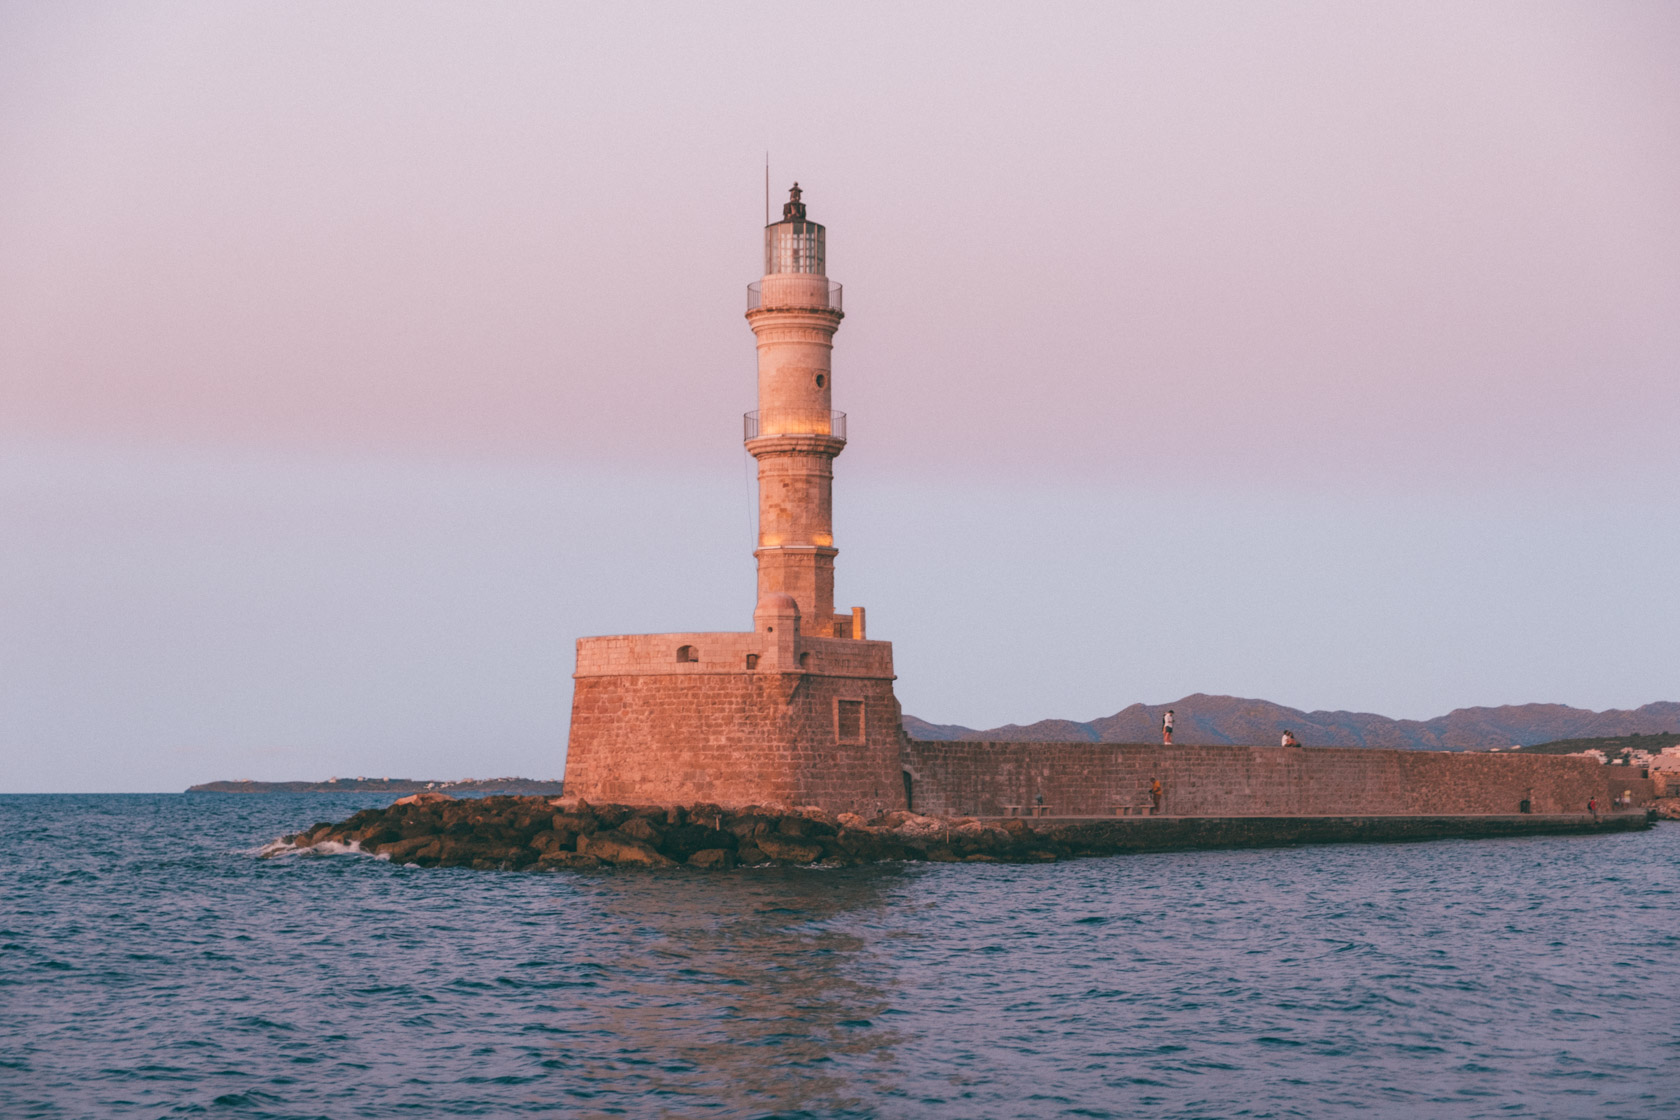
[1155, 792]
[1166, 728]
[1289, 739]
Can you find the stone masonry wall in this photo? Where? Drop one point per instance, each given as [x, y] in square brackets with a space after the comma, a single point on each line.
[724, 652]
[1092, 778]
[733, 739]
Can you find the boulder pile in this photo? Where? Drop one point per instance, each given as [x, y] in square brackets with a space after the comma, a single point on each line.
[543, 834]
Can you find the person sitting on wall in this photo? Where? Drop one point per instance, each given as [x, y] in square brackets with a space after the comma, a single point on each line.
[1166, 728]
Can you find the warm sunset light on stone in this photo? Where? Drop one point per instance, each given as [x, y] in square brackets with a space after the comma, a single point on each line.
[800, 710]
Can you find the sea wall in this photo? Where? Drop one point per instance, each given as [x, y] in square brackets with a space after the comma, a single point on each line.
[984, 779]
[1642, 790]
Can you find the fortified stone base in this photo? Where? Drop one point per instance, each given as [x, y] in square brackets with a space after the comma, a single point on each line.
[770, 717]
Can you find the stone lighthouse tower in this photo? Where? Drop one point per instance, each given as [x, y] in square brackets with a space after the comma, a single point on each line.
[799, 710]
[795, 432]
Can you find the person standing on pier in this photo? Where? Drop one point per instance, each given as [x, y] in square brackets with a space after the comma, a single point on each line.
[1166, 728]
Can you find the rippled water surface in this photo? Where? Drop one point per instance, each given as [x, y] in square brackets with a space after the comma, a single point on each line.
[151, 966]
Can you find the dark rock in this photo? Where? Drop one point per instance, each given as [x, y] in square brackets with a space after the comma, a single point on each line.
[562, 861]
[621, 850]
[721, 859]
[454, 851]
[785, 849]
[683, 842]
[640, 828]
[401, 851]
[747, 824]
[575, 822]
[818, 822]
[750, 855]
[610, 816]
[710, 816]
[376, 834]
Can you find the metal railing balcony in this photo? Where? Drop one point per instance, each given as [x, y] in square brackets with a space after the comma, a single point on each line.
[822, 301]
[793, 422]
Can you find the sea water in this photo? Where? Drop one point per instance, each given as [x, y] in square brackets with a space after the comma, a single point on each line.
[151, 965]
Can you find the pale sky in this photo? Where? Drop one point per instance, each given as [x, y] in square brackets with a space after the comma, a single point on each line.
[355, 359]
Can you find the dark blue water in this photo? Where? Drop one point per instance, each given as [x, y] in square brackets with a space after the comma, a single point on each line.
[151, 966]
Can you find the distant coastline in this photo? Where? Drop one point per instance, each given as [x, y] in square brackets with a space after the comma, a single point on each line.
[1209, 721]
[529, 786]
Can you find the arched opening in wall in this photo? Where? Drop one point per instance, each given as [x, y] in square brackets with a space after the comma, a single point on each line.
[819, 381]
[687, 653]
[752, 660]
[909, 790]
[804, 661]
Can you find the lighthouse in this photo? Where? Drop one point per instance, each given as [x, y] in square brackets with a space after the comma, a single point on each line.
[800, 709]
[795, 434]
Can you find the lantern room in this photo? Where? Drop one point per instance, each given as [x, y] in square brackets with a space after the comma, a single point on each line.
[794, 244]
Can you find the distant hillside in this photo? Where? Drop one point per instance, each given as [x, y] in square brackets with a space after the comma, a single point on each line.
[384, 785]
[1612, 746]
[1204, 720]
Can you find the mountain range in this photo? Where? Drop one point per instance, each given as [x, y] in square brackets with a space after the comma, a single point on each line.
[1203, 720]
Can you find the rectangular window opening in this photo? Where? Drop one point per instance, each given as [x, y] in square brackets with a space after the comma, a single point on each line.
[848, 721]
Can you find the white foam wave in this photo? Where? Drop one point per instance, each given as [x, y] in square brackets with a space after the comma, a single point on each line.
[279, 848]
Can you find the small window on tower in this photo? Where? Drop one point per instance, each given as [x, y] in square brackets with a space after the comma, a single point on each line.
[819, 381]
[687, 653]
[848, 721]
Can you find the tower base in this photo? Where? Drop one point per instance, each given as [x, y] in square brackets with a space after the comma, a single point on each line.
[729, 719]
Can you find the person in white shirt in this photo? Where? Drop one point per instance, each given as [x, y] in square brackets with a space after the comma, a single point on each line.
[1166, 728]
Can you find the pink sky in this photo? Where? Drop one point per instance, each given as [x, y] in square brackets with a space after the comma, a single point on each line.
[1391, 234]
[1179, 266]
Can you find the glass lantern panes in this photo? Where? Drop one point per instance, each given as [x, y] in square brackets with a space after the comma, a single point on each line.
[794, 247]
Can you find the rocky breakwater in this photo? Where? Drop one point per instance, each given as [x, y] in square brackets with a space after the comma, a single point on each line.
[543, 834]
